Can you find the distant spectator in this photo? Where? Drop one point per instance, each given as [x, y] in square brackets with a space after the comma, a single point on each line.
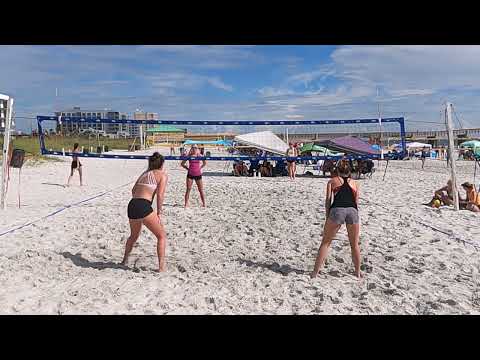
[424, 155]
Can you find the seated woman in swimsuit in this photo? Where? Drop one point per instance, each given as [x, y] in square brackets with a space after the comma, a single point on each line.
[472, 202]
[343, 210]
[75, 164]
[152, 182]
[444, 194]
[194, 173]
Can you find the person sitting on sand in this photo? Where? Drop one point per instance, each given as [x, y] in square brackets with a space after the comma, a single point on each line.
[152, 182]
[240, 169]
[444, 194]
[266, 169]
[194, 173]
[472, 201]
[328, 166]
[343, 210]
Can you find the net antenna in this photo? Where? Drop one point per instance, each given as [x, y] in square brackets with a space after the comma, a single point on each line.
[6, 124]
[379, 109]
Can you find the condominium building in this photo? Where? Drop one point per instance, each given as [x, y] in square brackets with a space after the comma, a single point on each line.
[142, 115]
[3, 112]
[98, 114]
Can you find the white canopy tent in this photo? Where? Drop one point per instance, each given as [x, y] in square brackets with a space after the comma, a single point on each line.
[263, 140]
[414, 145]
[418, 145]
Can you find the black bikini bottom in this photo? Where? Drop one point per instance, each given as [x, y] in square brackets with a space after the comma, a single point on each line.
[139, 209]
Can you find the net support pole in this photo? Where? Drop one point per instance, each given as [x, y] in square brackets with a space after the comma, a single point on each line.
[141, 137]
[451, 156]
[6, 148]
[475, 172]
[386, 167]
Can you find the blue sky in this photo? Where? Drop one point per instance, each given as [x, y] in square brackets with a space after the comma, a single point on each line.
[198, 82]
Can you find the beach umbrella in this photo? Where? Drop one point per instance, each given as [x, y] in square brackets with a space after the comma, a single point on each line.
[470, 144]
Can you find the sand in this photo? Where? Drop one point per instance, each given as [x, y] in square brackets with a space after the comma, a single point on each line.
[249, 252]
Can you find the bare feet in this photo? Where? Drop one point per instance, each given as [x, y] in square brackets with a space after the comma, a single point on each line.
[313, 275]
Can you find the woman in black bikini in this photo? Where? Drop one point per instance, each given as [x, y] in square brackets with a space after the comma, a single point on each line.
[343, 210]
[75, 165]
[152, 182]
[291, 164]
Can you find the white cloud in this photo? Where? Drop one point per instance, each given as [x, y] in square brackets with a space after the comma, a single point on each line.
[186, 81]
[294, 116]
[413, 80]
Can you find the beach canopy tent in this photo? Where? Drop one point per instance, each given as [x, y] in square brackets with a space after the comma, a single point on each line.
[311, 147]
[417, 145]
[263, 140]
[472, 144]
[349, 144]
[413, 145]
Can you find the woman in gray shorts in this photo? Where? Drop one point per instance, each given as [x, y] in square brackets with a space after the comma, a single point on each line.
[343, 210]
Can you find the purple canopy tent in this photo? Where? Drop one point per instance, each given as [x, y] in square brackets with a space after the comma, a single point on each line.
[349, 144]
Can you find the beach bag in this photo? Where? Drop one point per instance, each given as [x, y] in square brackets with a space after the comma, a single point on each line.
[18, 157]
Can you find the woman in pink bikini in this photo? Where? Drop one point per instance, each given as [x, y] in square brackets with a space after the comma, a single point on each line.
[194, 169]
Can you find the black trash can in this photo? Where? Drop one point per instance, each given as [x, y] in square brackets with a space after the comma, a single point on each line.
[18, 157]
[106, 148]
[99, 149]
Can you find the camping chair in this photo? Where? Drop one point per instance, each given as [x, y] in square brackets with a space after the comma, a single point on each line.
[226, 166]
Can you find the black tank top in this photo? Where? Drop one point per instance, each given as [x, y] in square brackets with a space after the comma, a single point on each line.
[345, 197]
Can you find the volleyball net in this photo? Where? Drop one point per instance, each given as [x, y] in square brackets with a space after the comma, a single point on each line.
[248, 139]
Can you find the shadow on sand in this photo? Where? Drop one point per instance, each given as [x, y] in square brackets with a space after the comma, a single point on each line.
[217, 173]
[54, 184]
[275, 267]
[78, 260]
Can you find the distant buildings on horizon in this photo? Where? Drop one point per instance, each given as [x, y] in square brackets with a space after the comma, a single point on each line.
[120, 130]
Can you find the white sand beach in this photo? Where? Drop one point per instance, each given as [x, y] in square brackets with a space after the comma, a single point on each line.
[249, 252]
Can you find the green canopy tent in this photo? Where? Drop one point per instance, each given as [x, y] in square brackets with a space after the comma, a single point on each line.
[323, 151]
[320, 149]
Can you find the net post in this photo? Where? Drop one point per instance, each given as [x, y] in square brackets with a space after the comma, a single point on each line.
[6, 147]
[451, 156]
